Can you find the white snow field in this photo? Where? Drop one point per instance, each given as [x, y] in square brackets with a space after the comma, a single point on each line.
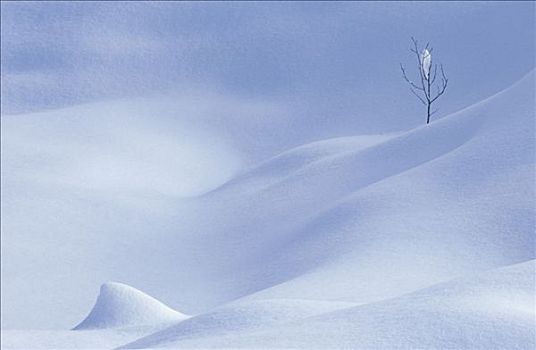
[420, 239]
[492, 310]
[120, 314]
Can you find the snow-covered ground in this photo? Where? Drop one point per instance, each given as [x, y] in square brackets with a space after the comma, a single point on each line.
[492, 310]
[419, 239]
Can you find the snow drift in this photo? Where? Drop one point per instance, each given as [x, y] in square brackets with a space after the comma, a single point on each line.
[238, 318]
[119, 305]
[451, 199]
[344, 242]
[437, 202]
[490, 310]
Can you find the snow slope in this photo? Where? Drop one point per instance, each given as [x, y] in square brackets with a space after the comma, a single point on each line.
[237, 318]
[68, 339]
[359, 220]
[94, 178]
[105, 181]
[491, 310]
[282, 165]
[124, 146]
[121, 314]
[119, 305]
[437, 202]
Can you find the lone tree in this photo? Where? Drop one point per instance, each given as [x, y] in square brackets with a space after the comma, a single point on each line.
[426, 89]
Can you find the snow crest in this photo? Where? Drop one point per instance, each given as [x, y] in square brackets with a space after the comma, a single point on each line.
[119, 305]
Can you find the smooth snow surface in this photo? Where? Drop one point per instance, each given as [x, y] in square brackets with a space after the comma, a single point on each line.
[366, 227]
[420, 239]
[68, 339]
[237, 319]
[119, 305]
[437, 202]
[492, 310]
[117, 147]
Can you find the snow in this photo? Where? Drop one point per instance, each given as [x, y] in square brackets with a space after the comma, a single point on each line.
[426, 62]
[116, 147]
[417, 239]
[67, 339]
[421, 239]
[238, 318]
[494, 309]
[282, 165]
[260, 173]
[120, 305]
[101, 177]
[436, 202]
[120, 315]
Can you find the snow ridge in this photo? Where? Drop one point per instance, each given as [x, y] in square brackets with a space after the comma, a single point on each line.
[119, 305]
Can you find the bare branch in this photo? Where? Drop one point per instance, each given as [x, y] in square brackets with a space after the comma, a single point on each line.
[434, 75]
[415, 42]
[419, 68]
[419, 97]
[444, 83]
[408, 80]
[428, 82]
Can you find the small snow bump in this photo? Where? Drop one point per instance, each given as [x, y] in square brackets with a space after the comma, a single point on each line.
[120, 305]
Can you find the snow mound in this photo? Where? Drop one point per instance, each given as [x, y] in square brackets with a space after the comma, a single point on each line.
[437, 202]
[238, 317]
[491, 310]
[286, 163]
[119, 305]
[116, 147]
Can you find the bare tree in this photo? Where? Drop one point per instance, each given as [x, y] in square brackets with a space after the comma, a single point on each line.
[426, 89]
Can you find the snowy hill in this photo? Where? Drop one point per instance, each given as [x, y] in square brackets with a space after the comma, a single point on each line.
[436, 202]
[491, 310]
[119, 305]
[132, 147]
[420, 208]
[120, 315]
[96, 177]
[237, 319]
[348, 239]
